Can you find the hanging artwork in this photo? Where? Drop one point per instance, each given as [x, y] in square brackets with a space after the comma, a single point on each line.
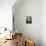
[28, 19]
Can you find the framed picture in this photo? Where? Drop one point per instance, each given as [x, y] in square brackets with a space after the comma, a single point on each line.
[28, 19]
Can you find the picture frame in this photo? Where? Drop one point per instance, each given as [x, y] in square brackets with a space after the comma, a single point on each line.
[28, 19]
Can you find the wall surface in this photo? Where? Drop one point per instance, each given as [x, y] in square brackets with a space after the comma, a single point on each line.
[29, 8]
[43, 22]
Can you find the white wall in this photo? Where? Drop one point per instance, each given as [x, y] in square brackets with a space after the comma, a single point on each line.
[29, 8]
[43, 22]
[6, 13]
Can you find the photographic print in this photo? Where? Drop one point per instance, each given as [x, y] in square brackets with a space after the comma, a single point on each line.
[28, 19]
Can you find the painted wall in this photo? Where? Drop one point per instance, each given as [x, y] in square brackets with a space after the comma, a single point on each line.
[43, 22]
[29, 8]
